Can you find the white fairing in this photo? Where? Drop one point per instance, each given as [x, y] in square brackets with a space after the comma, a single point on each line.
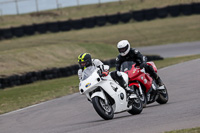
[92, 81]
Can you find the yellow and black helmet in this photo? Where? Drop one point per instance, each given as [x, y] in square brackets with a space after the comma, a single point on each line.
[84, 60]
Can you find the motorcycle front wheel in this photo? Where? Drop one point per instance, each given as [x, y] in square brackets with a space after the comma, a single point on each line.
[142, 97]
[103, 109]
[137, 106]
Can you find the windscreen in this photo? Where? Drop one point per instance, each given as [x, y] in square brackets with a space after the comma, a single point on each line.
[87, 72]
[127, 65]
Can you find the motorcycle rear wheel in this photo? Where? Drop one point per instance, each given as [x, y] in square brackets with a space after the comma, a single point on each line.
[103, 109]
[163, 96]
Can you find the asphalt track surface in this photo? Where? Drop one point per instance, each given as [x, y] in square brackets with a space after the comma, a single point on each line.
[173, 50]
[74, 114]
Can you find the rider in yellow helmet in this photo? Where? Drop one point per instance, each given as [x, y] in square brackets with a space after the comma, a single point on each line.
[85, 61]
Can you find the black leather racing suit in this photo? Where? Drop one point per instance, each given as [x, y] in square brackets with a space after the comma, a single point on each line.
[136, 56]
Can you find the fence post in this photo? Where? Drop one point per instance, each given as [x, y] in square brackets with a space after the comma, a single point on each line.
[1, 12]
[58, 4]
[77, 2]
[36, 4]
[17, 9]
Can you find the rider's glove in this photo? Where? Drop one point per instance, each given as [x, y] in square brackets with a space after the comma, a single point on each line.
[142, 65]
[105, 73]
[100, 73]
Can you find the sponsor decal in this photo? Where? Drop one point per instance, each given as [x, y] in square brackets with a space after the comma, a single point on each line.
[88, 85]
[145, 81]
[134, 71]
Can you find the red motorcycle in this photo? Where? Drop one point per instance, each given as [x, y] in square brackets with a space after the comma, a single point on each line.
[144, 85]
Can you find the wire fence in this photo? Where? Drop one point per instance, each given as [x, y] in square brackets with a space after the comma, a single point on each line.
[8, 7]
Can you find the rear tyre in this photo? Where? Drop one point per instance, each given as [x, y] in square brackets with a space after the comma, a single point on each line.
[103, 109]
[163, 96]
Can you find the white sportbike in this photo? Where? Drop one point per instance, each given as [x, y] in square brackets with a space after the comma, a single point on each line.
[106, 95]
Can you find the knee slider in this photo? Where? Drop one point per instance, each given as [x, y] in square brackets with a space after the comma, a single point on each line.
[119, 74]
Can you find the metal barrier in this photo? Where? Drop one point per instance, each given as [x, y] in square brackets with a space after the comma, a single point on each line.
[20, 6]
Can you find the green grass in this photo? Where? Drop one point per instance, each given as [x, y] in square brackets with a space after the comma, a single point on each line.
[22, 96]
[85, 11]
[26, 95]
[61, 49]
[190, 130]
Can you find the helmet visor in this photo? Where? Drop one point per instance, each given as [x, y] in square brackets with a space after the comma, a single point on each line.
[82, 64]
[122, 50]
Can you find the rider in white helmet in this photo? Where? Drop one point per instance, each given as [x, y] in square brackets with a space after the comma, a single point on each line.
[126, 53]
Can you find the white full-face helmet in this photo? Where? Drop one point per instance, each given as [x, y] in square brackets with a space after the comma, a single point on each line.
[123, 47]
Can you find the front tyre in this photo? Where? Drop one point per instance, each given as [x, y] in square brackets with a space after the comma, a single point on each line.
[142, 97]
[103, 109]
[137, 106]
[163, 96]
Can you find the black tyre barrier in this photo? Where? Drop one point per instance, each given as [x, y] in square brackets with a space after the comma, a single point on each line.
[53, 73]
[47, 74]
[196, 8]
[74, 69]
[1, 34]
[63, 72]
[53, 26]
[174, 11]
[162, 12]
[125, 17]
[77, 24]
[14, 80]
[138, 15]
[28, 77]
[69, 71]
[113, 19]
[1, 83]
[29, 29]
[154, 57]
[89, 22]
[7, 33]
[101, 20]
[150, 14]
[186, 9]
[41, 28]
[64, 26]
[18, 31]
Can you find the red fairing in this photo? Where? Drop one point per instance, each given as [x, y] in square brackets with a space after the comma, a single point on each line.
[153, 65]
[136, 75]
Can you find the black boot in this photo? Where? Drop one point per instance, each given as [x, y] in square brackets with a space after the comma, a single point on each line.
[125, 86]
[159, 81]
[128, 90]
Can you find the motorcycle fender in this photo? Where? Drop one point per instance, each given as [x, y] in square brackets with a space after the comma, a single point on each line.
[100, 94]
[136, 84]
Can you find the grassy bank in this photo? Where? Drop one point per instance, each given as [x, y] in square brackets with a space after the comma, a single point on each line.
[85, 11]
[190, 130]
[44, 51]
[26, 95]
